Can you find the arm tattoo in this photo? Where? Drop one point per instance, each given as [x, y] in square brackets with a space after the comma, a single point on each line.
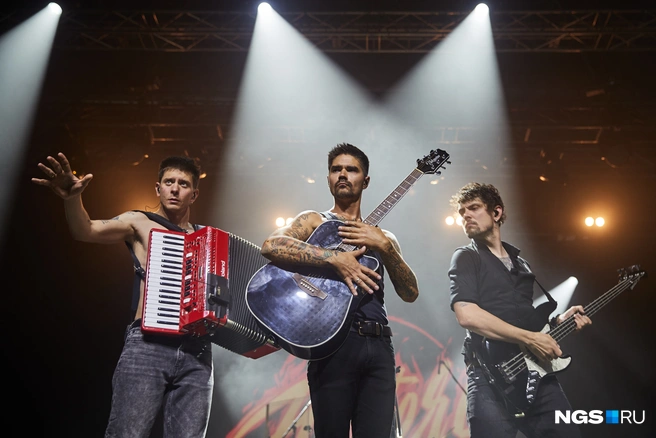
[299, 252]
[106, 221]
[403, 279]
[296, 229]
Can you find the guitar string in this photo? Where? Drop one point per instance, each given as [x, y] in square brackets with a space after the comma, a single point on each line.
[377, 216]
[517, 364]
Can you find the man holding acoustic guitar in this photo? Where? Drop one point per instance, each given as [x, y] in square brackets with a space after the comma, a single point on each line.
[511, 359]
[354, 386]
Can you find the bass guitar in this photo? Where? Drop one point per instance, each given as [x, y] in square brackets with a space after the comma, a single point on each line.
[515, 372]
[308, 311]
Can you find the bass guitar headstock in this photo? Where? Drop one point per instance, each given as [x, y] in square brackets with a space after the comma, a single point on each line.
[633, 272]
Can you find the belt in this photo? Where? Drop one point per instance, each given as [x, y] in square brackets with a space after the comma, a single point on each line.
[371, 328]
[165, 339]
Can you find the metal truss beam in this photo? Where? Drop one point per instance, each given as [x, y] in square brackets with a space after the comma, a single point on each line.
[203, 126]
[119, 134]
[356, 32]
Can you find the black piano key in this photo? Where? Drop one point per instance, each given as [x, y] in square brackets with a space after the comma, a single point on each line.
[169, 284]
[170, 297]
[171, 261]
[173, 239]
[159, 321]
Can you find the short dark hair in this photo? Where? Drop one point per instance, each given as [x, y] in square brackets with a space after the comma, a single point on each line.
[185, 164]
[485, 192]
[349, 149]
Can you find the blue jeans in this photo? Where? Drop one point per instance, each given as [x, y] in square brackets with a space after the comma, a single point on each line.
[355, 384]
[488, 417]
[156, 371]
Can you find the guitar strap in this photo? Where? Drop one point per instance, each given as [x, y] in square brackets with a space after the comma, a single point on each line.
[524, 263]
[139, 271]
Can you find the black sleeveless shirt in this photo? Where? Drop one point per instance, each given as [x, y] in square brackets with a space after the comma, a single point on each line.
[372, 306]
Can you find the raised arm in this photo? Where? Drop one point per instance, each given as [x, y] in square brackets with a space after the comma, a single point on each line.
[61, 180]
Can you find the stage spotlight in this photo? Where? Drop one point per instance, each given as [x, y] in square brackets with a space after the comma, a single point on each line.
[590, 221]
[55, 8]
[459, 221]
[264, 7]
[450, 220]
[482, 8]
[281, 221]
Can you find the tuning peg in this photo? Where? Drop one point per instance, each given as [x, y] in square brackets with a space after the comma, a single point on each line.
[622, 272]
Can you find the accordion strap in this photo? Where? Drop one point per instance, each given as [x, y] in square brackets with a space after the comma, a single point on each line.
[139, 271]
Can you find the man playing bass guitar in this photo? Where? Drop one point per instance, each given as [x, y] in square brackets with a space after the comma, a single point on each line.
[492, 297]
[355, 386]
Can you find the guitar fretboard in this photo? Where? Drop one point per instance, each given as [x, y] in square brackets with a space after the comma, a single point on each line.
[569, 325]
[376, 216]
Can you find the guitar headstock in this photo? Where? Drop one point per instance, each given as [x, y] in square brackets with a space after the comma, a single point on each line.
[434, 161]
[633, 272]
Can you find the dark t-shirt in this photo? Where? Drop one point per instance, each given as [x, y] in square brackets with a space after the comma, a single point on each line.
[478, 276]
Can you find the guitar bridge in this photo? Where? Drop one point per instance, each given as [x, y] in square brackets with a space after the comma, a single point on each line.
[506, 372]
[306, 286]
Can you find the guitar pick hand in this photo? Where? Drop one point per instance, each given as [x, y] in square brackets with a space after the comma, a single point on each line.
[543, 346]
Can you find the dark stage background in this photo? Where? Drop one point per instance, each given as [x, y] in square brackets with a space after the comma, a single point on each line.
[67, 303]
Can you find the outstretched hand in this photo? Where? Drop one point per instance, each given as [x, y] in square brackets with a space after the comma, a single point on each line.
[60, 177]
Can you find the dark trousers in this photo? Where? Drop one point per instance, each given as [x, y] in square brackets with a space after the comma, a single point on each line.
[488, 417]
[355, 387]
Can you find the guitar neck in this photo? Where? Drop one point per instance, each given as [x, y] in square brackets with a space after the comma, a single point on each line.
[569, 325]
[388, 203]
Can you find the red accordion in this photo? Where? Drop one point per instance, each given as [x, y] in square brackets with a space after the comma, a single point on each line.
[196, 284]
